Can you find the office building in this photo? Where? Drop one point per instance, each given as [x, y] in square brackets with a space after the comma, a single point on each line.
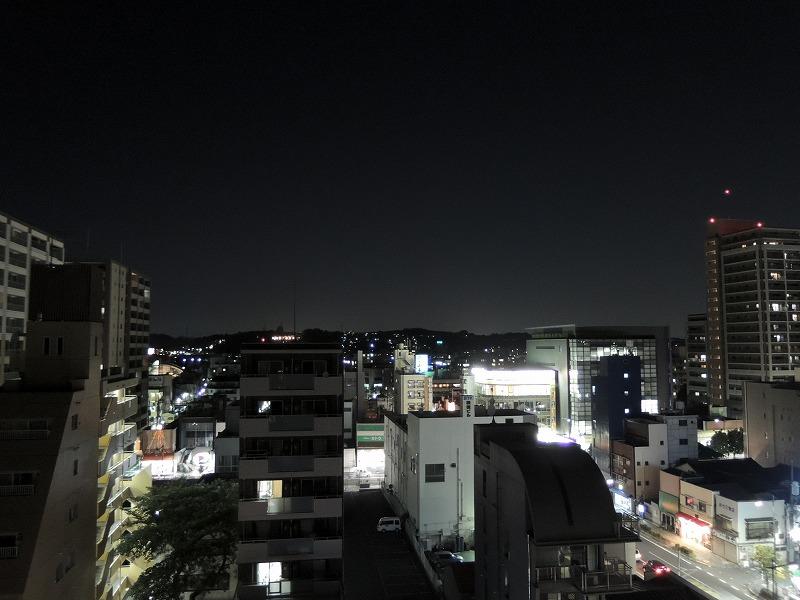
[772, 423]
[575, 353]
[545, 525]
[21, 246]
[696, 364]
[290, 471]
[753, 274]
[429, 466]
[61, 498]
[530, 390]
[616, 396]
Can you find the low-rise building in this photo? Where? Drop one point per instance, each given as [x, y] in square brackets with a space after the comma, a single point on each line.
[545, 523]
[429, 468]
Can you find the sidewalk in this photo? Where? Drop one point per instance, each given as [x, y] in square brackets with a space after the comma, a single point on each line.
[700, 554]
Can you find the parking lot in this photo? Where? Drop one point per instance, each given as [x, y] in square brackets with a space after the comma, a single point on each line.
[378, 565]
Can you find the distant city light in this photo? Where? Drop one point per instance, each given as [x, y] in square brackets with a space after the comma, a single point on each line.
[151, 351]
[726, 191]
[712, 220]
[759, 224]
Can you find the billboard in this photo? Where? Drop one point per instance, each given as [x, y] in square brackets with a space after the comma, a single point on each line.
[369, 435]
[421, 364]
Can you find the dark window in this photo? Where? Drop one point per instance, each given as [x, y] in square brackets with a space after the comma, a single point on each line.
[484, 483]
[74, 422]
[683, 442]
[646, 482]
[662, 462]
[75, 467]
[15, 303]
[647, 463]
[434, 473]
[638, 483]
[701, 506]
[60, 346]
[46, 346]
[682, 422]
[661, 443]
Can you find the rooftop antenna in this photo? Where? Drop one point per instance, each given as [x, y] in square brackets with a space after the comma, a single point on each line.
[294, 306]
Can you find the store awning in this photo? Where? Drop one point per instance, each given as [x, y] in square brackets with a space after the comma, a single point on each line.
[692, 519]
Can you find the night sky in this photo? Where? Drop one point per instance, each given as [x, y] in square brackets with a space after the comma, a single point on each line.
[436, 164]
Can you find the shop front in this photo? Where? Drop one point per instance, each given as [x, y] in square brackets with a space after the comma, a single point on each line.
[693, 530]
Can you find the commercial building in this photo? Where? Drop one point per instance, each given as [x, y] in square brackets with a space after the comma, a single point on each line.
[429, 466]
[63, 488]
[290, 471]
[651, 443]
[545, 524]
[529, 390]
[575, 353]
[730, 506]
[21, 246]
[772, 423]
[412, 391]
[616, 396]
[753, 274]
[696, 363]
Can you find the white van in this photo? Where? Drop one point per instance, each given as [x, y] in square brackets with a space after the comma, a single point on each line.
[389, 524]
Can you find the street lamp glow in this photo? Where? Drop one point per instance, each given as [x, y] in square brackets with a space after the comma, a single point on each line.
[609, 482]
[640, 509]
[620, 486]
[759, 503]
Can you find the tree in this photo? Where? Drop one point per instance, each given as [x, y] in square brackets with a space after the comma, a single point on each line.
[764, 557]
[720, 443]
[189, 531]
[736, 441]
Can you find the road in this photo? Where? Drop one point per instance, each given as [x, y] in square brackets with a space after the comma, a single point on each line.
[717, 577]
[378, 566]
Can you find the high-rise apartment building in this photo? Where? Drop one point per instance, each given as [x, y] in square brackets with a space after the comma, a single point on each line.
[575, 353]
[696, 361]
[20, 247]
[63, 488]
[753, 333]
[290, 471]
[104, 293]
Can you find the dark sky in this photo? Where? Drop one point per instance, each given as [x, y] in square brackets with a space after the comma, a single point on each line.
[438, 164]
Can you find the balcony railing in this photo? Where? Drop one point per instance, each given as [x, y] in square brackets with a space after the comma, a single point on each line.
[615, 576]
[9, 552]
[17, 490]
[24, 434]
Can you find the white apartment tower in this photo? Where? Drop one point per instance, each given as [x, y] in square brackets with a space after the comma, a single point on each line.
[20, 247]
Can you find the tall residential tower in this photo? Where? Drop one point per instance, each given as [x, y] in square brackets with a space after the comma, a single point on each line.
[753, 275]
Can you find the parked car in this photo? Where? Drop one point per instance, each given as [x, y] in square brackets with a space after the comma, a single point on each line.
[654, 568]
[389, 524]
[445, 556]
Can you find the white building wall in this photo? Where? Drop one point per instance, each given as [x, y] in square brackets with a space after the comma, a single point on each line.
[649, 462]
[680, 427]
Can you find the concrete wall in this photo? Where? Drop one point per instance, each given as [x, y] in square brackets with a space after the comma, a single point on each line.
[772, 424]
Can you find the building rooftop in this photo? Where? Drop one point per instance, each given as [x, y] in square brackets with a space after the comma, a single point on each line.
[568, 497]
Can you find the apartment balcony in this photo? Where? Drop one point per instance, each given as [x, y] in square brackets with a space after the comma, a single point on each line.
[254, 551]
[290, 589]
[615, 577]
[282, 385]
[296, 424]
[17, 490]
[24, 434]
[285, 508]
[253, 467]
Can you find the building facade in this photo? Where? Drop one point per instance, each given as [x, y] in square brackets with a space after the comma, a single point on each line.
[429, 466]
[21, 246]
[290, 471]
[772, 423]
[575, 353]
[753, 274]
[545, 523]
[696, 362]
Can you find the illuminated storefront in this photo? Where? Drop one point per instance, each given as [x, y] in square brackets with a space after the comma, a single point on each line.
[693, 530]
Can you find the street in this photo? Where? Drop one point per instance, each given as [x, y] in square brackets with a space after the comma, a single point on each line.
[712, 574]
[378, 566]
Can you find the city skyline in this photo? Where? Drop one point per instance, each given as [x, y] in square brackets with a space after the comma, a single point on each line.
[513, 170]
